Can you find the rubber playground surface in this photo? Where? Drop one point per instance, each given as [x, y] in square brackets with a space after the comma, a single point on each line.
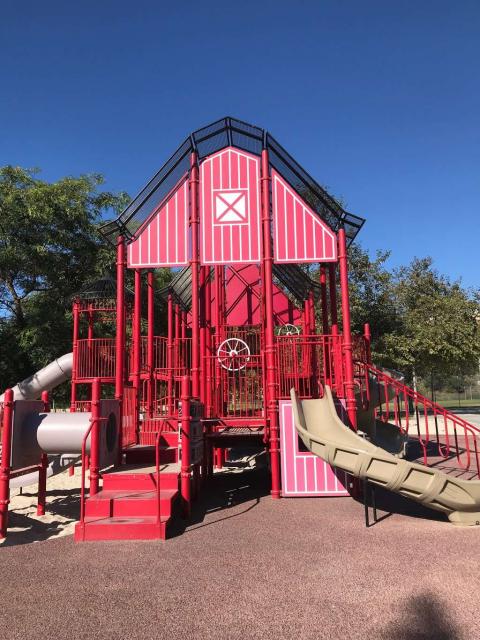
[248, 567]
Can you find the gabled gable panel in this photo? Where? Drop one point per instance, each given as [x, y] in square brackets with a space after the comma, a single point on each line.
[164, 240]
[299, 234]
[230, 208]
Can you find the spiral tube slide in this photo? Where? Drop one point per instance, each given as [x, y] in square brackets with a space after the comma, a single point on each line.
[325, 435]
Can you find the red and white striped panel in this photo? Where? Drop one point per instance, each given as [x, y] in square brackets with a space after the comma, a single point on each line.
[299, 234]
[163, 241]
[230, 208]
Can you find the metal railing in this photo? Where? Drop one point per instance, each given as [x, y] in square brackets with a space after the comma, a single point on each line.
[95, 358]
[307, 362]
[440, 433]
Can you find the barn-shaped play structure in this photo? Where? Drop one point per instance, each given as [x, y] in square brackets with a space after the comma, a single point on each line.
[257, 250]
[253, 341]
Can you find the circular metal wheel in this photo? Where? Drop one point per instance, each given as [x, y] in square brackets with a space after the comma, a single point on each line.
[288, 330]
[233, 354]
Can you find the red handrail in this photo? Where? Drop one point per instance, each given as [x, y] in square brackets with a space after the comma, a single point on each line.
[471, 433]
[157, 467]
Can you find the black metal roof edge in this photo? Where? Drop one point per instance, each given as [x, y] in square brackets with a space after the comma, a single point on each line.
[195, 138]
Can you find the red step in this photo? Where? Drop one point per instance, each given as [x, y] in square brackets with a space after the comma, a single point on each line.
[121, 528]
[123, 503]
[145, 454]
[141, 478]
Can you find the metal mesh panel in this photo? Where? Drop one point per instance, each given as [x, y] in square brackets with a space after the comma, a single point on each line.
[213, 138]
[151, 195]
[295, 281]
[320, 201]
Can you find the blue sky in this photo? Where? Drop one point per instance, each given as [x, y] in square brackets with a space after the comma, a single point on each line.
[378, 100]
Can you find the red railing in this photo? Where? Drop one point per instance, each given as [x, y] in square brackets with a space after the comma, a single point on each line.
[95, 358]
[129, 437]
[309, 362]
[82, 405]
[166, 355]
[400, 405]
[237, 392]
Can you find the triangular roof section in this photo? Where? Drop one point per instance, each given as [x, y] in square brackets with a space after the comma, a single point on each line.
[230, 132]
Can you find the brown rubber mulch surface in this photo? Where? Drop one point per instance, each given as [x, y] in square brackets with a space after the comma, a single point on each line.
[249, 567]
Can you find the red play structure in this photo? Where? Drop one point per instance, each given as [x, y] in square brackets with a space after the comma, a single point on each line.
[235, 216]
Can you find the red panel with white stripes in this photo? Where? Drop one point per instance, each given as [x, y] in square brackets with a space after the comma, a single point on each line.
[164, 239]
[230, 208]
[299, 234]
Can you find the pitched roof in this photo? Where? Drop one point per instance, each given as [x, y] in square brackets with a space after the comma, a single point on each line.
[212, 138]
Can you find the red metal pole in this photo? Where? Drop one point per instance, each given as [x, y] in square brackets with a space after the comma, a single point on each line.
[150, 334]
[137, 347]
[311, 301]
[95, 438]
[271, 390]
[170, 353]
[208, 347]
[323, 294]
[120, 335]
[333, 293]
[5, 462]
[42, 470]
[347, 335]
[203, 339]
[306, 317]
[194, 264]
[176, 359]
[73, 393]
[368, 342]
[185, 470]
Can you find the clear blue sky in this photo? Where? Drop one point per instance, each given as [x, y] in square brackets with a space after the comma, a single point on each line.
[378, 100]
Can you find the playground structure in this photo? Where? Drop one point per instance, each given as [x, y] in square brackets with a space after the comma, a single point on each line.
[151, 415]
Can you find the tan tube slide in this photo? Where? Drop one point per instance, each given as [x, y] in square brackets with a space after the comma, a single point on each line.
[325, 435]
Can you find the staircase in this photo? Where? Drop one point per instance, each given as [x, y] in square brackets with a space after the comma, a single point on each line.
[129, 506]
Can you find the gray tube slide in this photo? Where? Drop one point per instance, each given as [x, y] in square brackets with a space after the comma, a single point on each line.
[46, 379]
[31, 388]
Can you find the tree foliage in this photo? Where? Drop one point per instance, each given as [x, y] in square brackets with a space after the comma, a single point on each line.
[49, 249]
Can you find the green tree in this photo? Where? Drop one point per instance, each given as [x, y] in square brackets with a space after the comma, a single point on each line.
[439, 332]
[49, 248]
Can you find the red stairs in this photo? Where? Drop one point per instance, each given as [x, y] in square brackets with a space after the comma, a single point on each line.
[127, 506]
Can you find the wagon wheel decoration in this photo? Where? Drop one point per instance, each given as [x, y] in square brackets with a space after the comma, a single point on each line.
[288, 330]
[233, 354]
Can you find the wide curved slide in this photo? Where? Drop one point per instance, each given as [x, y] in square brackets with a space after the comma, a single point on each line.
[326, 436]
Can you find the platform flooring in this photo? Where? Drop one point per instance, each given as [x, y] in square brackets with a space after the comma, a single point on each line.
[248, 567]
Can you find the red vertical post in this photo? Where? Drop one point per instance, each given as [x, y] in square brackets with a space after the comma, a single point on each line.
[332, 289]
[95, 438]
[194, 265]
[73, 393]
[170, 353]
[5, 468]
[137, 347]
[324, 300]
[347, 334]
[42, 469]
[271, 390]
[177, 314]
[306, 317]
[208, 347]
[150, 337]
[203, 339]
[185, 482]
[368, 342]
[311, 301]
[120, 334]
